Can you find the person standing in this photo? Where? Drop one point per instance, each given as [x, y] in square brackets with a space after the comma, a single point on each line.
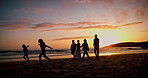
[43, 50]
[96, 46]
[85, 48]
[73, 49]
[78, 53]
[25, 50]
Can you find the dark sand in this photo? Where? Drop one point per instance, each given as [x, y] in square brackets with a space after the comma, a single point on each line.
[113, 66]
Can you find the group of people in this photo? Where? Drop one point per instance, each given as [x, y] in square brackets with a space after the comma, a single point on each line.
[43, 51]
[75, 48]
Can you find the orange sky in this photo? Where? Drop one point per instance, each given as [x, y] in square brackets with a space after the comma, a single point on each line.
[58, 22]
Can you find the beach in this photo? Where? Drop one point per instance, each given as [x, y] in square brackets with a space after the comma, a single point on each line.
[111, 66]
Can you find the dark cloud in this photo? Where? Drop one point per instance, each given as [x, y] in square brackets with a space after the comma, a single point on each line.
[34, 10]
[16, 29]
[51, 25]
[14, 24]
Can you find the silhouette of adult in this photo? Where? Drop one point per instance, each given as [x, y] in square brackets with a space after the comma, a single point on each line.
[96, 46]
[43, 50]
[78, 54]
[73, 48]
[85, 48]
[25, 50]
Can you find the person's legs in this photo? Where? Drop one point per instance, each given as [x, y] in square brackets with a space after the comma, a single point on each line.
[27, 58]
[87, 54]
[74, 56]
[83, 55]
[47, 57]
[72, 52]
[96, 51]
[97, 56]
[24, 58]
[40, 58]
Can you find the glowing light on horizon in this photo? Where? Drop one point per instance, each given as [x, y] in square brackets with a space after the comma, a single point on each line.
[104, 54]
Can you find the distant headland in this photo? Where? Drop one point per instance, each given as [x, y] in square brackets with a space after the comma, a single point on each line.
[131, 44]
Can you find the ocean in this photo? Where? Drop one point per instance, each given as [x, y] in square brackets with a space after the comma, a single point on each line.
[17, 55]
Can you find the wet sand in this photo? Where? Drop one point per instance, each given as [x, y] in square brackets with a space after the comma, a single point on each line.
[113, 66]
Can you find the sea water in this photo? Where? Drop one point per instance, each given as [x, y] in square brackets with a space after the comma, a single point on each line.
[17, 55]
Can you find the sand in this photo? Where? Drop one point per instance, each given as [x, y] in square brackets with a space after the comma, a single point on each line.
[113, 66]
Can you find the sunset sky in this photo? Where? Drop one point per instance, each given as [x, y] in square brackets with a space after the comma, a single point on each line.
[58, 22]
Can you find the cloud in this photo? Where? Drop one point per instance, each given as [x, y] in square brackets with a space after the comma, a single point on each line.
[5, 18]
[123, 9]
[72, 38]
[51, 25]
[144, 31]
[119, 14]
[22, 24]
[15, 24]
[51, 30]
[134, 23]
[85, 23]
[42, 25]
[62, 19]
[16, 29]
[83, 27]
[94, 2]
[95, 27]
[34, 10]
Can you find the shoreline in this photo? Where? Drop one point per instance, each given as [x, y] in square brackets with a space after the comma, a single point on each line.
[124, 65]
[61, 57]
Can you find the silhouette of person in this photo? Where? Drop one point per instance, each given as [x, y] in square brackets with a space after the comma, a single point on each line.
[85, 48]
[96, 46]
[78, 54]
[25, 50]
[43, 50]
[73, 48]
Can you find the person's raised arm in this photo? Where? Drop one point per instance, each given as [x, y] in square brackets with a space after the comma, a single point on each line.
[49, 47]
[27, 46]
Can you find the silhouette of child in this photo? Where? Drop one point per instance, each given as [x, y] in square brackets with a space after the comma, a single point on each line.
[43, 50]
[78, 53]
[25, 50]
[85, 48]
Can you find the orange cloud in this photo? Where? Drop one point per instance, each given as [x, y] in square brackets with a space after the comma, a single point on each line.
[95, 27]
[144, 31]
[84, 27]
[72, 38]
[134, 23]
[85, 23]
[50, 30]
